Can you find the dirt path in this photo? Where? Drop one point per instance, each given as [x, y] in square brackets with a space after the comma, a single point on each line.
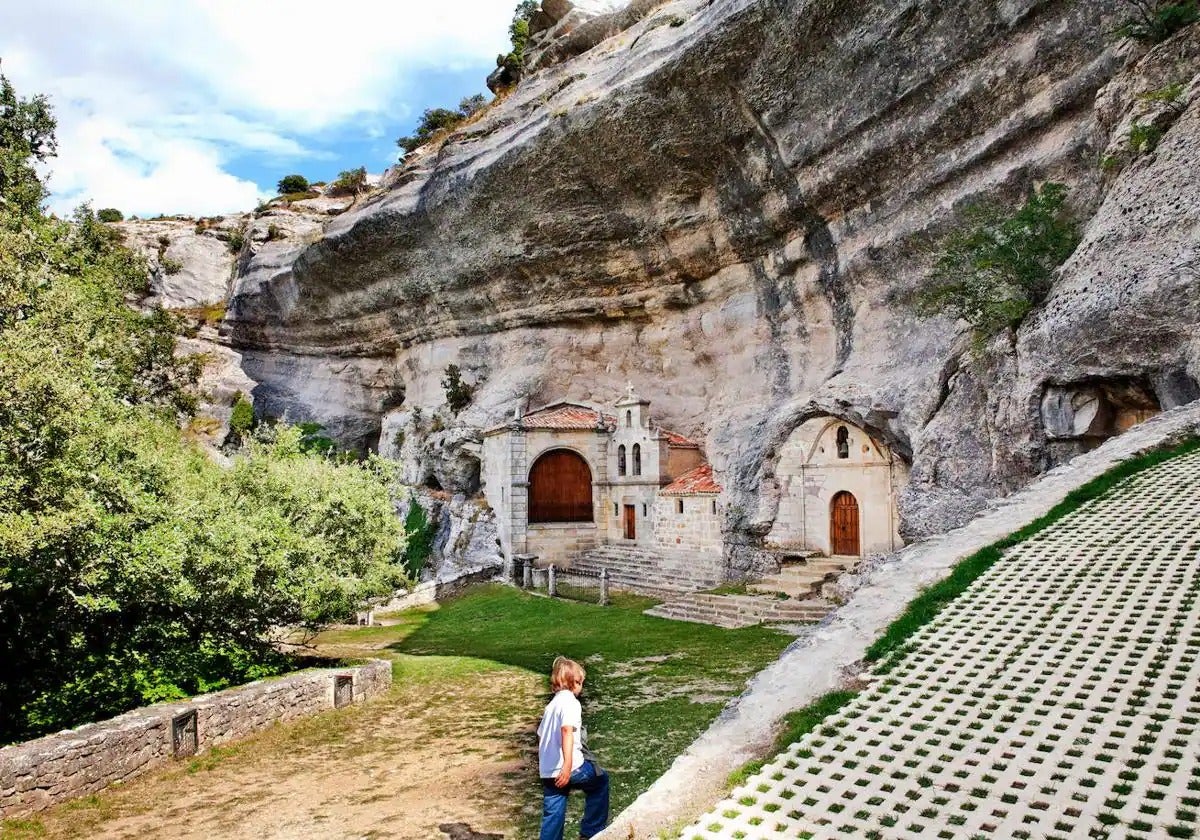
[449, 744]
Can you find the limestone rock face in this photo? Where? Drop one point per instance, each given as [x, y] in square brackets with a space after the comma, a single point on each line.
[191, 264]
[729, 203]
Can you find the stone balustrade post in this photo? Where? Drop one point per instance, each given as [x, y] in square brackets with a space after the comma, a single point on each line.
[551, 582]
[604, 587]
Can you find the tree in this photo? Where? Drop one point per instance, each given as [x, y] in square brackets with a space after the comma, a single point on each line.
[433, 121]
[353, 181]
[110, 214]
[470, 105]
[1153, 21]
[458, 393]
[994, 272]
[132, 567]
[26, 136]
[289, 184]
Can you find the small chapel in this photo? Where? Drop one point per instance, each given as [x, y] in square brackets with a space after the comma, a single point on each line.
[569, 477]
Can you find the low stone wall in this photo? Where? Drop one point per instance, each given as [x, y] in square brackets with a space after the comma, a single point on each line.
[37, 774]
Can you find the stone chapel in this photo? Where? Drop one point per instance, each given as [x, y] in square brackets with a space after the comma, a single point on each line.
[569, 477]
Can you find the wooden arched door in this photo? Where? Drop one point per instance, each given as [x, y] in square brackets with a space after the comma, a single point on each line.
[843, 525]
[560, 488]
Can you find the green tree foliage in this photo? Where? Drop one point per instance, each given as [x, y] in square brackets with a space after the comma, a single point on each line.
[110, 214]
[458, 392]
[292, 184]
[241, 418]
[26, 138]
[433, 121]
[132, 567]
[1154, 21]
[1002, 265]
[353, 181]
[471, 105]
[419, 532]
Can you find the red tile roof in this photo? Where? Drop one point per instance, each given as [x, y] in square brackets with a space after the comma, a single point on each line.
[566, 416]
[678, 441]
[698, 480]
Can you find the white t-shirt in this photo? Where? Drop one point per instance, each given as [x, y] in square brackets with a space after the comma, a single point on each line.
[563, 710]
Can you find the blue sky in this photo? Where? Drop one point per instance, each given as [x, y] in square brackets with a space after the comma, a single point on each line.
[200, 106]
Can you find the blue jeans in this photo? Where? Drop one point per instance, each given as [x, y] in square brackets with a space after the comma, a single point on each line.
[595, 809]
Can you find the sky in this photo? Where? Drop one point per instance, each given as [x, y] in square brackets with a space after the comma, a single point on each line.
[201, 106]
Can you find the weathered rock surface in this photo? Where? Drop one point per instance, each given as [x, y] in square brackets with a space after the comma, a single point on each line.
[728, 203]
[466, 540]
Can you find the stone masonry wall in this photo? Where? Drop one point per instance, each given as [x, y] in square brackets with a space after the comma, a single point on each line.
[698, 528]
[37, 774]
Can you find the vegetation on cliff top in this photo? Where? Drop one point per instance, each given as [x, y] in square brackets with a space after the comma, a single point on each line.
[132, 567]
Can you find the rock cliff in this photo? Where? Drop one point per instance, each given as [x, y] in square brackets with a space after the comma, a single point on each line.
[729, 203]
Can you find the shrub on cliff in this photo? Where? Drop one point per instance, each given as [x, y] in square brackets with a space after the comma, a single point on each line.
[419, 532]
[438, 121]
[351, 181]
[992, 273]
[292, 184]
[132, 567]
[110, 214]
[1154, 21]
[458, 393]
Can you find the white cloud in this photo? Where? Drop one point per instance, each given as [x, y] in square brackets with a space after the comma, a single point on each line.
[154, 99]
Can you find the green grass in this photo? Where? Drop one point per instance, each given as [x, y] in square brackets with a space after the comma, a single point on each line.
[653, 685]
[796, 725]
[930, 602]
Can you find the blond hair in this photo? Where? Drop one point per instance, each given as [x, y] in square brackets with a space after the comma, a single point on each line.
[566, 674]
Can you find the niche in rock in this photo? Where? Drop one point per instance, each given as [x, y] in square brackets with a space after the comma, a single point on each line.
[1083, 415]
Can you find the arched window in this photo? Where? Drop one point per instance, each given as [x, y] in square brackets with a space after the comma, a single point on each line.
[628, 419]
[621, 459]
[637, 459]
[843, 442]
[560, 488]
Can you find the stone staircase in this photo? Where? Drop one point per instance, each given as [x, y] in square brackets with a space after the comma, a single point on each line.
[789, 597]
[734, 611]
[803, 578]
[651, 571]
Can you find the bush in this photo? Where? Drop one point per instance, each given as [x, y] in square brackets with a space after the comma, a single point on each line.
[433, 121]
[419, 532]
[241, 419]
[237, 240]
[1143, 137]
[352, 181]
[470, 105]
[1153, 21]
[458, 393]
[170, 266]
[992, 274]
[110, 214]
[292, 184]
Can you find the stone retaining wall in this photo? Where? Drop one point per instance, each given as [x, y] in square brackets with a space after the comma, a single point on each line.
[75, 762]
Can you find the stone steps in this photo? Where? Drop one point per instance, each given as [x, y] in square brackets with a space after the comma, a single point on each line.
[800, 580]
[652, 572]
[734, 611]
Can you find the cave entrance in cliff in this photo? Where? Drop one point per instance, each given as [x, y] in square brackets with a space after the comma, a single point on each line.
[843, 525]
[560, 488]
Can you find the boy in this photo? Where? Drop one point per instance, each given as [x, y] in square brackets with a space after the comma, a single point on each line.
[560, 757]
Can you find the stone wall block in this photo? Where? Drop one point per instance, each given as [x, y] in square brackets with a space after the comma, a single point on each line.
[41, 773]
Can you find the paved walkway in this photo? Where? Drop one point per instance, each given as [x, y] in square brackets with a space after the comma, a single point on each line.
[813, 665]
[1058, 698]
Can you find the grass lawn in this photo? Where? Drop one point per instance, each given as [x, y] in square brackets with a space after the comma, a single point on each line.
[653, 685]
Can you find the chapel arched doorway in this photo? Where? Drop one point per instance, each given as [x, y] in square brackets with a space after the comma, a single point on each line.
[560, 488]
[844, 525]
